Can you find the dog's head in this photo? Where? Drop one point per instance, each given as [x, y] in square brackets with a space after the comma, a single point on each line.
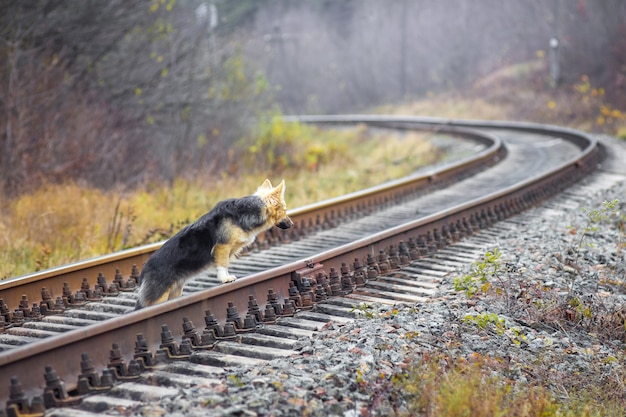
[274, 198]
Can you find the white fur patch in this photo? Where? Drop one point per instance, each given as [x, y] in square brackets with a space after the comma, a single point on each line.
[223, 275]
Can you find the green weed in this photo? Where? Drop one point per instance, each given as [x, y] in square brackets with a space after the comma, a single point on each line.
[484, 319]
[363, 310]
[478, 278]
[593, 218]
[235, 380]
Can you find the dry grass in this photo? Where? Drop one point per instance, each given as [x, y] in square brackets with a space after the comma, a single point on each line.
[64, 223]
[452, 105]
[522, 92]
[442, 386]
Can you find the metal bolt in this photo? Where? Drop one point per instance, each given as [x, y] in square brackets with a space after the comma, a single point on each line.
[142, 353]
[320, 294]
[116, 362]
[232, 315]
[270, 314]
[185, 348]
[24, 305]
[335, 282]
[134, 368]
[394, 260]
[101, 283]
[88, 372]
[249, 322]
[289, 309]
[254, 310]
[294, 294]
[359, 273]
[118, 278]
[211, 325]
[107, 378]
[347, 279]
[189, 332]
[229, 330]
[272, 299]
[55, 390]
[135, 274]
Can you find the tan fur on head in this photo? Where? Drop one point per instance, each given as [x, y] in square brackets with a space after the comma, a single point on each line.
[274, 198]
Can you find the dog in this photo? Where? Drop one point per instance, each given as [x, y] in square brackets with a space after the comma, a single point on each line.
[211, 241]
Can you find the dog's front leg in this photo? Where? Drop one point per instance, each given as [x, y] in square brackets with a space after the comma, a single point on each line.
[221, 254]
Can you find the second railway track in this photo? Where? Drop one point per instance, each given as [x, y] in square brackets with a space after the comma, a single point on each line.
[346, 250]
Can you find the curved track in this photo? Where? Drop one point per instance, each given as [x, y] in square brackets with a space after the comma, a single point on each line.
[387, 226]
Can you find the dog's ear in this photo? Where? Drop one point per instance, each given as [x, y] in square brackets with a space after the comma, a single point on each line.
[266, 186]
[280, 190]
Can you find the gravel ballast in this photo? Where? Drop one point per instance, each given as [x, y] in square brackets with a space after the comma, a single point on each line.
[551, 316]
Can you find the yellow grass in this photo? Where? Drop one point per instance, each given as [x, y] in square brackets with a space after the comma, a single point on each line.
[64, 223]
[452, 105]
[457, 388]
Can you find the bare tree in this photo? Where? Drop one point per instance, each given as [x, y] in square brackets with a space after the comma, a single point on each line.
[112, 92]
[337, 56]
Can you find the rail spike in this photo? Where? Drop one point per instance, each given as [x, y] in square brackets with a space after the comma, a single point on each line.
[117, 366]
[190, 333]
[142, 354]
[18, 404]
[89, 381]
[55, 393]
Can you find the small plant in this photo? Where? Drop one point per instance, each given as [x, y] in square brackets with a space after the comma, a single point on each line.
[577, 311]
[363, 309]
[593, 219]
[621, 227]
[235, 380]
[410, 335]
[484, 319]
[389, 313]
[478, 278]
[516, 335]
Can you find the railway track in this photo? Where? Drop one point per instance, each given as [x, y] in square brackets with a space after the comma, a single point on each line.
[386, 244]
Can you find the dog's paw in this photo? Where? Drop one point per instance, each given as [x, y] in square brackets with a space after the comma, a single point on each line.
[224, 276]
[228, 278]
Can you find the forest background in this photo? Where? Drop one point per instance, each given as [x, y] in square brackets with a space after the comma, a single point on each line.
[120, 121]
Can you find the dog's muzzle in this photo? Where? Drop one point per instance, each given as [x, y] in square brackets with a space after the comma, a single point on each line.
[285, 223]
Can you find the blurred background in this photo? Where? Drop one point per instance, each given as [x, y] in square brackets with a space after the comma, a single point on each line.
[114, 92]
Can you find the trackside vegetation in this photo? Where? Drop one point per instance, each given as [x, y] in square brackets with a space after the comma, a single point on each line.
[64, 222]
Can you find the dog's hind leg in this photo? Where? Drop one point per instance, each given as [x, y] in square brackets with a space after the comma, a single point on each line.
[164, 297]
[175, 290]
